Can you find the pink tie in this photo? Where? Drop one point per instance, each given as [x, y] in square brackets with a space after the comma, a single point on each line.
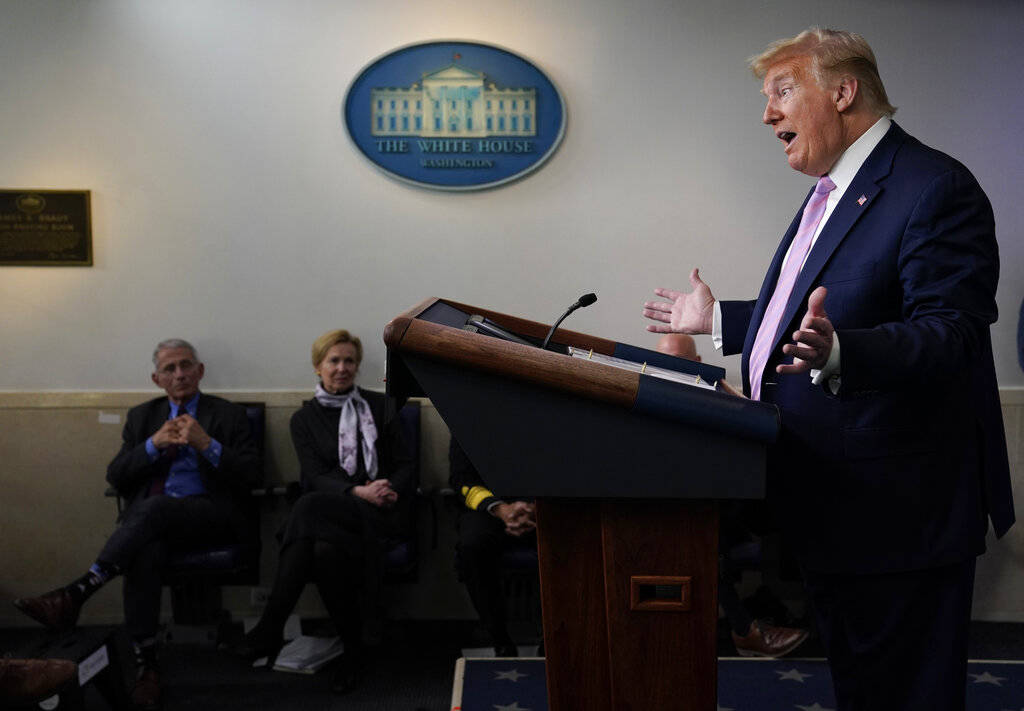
[765, 340]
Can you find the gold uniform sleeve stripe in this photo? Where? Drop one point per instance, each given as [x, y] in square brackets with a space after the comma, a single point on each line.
[475, 495]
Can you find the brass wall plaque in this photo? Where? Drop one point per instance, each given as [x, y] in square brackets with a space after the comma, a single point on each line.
[45, 227]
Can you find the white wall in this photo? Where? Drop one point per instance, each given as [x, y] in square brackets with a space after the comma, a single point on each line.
[230, 208]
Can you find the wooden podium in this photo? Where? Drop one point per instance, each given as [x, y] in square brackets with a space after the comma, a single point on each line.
[626, 468]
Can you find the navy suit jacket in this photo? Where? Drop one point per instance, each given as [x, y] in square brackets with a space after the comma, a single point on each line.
[903, 468]
[131, 472]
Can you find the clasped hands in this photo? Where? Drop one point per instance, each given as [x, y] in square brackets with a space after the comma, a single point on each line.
[519, 517]
[181, 431]
[693, 313]
[377, 492]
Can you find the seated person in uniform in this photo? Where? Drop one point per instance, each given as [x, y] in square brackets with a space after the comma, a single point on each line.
[752, 637]
[359, 489]
[487, 526]
[186, 465]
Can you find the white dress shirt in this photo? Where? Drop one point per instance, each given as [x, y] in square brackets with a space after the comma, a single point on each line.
[842, 174]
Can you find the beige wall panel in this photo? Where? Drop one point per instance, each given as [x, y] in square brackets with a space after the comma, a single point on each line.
[55, 450]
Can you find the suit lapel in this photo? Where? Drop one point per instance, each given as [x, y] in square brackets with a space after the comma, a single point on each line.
[203, 414]
[159, 415]
[857, 199]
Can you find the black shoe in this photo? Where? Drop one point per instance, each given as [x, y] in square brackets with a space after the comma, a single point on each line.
[506, 650]
[256, 644]
[348, 673]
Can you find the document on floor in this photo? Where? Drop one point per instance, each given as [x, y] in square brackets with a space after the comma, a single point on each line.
[307, 655]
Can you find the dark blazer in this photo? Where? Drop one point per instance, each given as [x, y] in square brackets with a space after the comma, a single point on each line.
[131, 472]
[315, 436]
[904, 467]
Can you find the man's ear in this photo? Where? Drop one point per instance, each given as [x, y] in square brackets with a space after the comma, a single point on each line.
[202, 371]
[156, 381]
[845, 93]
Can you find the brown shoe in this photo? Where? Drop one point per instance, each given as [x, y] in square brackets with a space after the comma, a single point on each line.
[764, 640]
[147, 694]
[56, 610]
[28, 681]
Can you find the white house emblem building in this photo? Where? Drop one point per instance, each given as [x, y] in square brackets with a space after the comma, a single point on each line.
[454, 102]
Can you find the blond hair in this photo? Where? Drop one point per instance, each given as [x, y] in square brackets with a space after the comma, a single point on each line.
[332, 338]
[833, 54]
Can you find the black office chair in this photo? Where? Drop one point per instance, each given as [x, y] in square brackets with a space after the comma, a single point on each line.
[401, 561]
[195, 576]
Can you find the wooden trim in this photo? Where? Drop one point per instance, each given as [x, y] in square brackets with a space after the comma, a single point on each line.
[124, 399]
[526, 363]
[397, 327]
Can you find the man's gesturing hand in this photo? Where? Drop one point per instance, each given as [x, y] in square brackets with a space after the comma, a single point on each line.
[684, 313]
[813, 342]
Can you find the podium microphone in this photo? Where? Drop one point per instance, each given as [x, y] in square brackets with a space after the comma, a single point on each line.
[585, 300]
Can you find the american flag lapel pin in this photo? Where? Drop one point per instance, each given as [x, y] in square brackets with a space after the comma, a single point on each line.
[862, 199]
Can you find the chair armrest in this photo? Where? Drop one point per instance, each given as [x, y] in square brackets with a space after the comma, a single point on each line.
[111, 492]
[290, 490]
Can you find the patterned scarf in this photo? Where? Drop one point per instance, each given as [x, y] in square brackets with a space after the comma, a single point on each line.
[355, 416]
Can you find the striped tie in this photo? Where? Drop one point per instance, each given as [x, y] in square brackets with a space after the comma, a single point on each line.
[765, 340]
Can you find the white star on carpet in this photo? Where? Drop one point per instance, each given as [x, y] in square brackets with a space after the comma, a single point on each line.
[511, 675]
[815, 707]
[987, 678]
[793, 674]
[514, 706]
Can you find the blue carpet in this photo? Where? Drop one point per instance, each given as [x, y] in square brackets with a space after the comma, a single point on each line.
[743, 685]
[767, 685]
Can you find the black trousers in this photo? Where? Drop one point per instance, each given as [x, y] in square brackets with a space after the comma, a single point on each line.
[896, 641]
[482, 539]
[336, 541]
[150, 529]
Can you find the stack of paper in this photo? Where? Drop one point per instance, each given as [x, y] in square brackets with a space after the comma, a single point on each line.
[306, 655]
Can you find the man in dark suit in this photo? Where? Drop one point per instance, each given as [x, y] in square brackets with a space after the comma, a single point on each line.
[871, 335]
[186, 462]
[487, 527]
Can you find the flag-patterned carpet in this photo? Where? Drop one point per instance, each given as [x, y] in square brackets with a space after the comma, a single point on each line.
[489, 684]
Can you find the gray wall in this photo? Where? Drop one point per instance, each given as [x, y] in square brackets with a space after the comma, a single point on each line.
[229, 206]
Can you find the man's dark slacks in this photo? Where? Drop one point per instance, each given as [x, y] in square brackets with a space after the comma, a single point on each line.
[896, 641]
[139, 546]
[482, 539]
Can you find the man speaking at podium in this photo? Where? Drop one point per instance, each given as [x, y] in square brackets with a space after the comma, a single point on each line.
[871, 335]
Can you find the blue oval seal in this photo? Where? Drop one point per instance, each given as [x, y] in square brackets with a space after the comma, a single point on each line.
[454, 115]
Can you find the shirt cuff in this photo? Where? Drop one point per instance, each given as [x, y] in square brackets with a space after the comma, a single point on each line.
[716, 327]
[831, 372]
[151, 451]
[213, 452]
